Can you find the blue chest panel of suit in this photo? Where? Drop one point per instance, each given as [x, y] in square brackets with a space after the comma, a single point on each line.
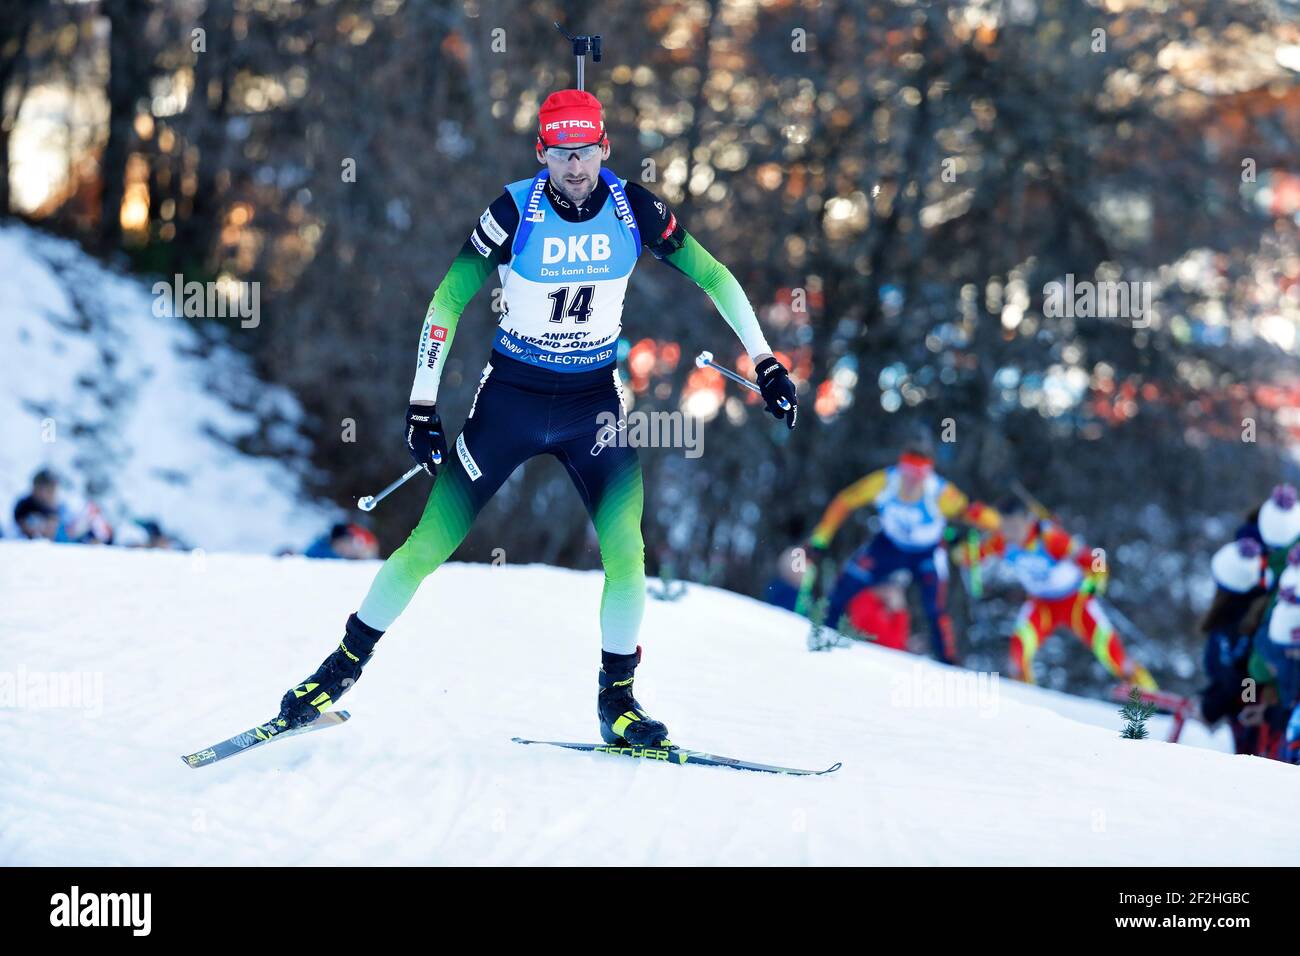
[564, 285]
[912, 525]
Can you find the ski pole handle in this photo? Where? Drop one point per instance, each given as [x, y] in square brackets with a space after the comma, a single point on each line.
[1039, 509]
[976, 577]
[369, 501]
[705, 359]
[803, 602]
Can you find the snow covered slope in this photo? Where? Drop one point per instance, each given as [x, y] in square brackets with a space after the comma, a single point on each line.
[188, 650]
[96, 385]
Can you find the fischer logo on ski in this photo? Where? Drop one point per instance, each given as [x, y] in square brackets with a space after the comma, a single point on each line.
[257, 736]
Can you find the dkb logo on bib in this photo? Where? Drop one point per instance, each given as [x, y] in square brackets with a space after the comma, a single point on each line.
[575, 249]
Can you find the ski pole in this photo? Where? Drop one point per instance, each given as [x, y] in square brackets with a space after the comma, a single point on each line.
[705, 359]
[1039, 509]
[973, 558]
[1122, 619]
[803, 602]
[369, 501]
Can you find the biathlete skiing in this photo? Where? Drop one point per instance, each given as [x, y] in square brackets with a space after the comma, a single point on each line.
[564, 244]
[915, 506]
[1061, 579]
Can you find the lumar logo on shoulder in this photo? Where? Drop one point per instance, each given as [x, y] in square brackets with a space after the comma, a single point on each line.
[132, 910]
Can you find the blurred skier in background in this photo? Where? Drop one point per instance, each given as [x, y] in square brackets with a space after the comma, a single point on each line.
[1058, 574]
[915, 506]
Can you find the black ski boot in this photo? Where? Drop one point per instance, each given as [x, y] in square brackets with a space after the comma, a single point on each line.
[622, 721]
[307, 701]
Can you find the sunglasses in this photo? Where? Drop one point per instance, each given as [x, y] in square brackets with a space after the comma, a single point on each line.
[562, 154]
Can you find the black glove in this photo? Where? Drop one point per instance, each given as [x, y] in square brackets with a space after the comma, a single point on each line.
[778, 391]
[424, 437]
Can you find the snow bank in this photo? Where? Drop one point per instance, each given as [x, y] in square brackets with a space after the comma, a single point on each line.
[189, 649]
[137, 407]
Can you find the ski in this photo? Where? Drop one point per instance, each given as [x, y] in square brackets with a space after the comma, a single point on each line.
[261, 734]
[680, 755]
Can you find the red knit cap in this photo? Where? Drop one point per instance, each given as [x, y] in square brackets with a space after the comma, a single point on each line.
[917, 464]
[570, 118]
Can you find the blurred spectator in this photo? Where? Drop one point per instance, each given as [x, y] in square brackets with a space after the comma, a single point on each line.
[1242, 581]
[145, 533]
[346, 541]
[87, 526]
[45, 514]
[783, 589]
[38, 515]
[158, 538]
[881, 613]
